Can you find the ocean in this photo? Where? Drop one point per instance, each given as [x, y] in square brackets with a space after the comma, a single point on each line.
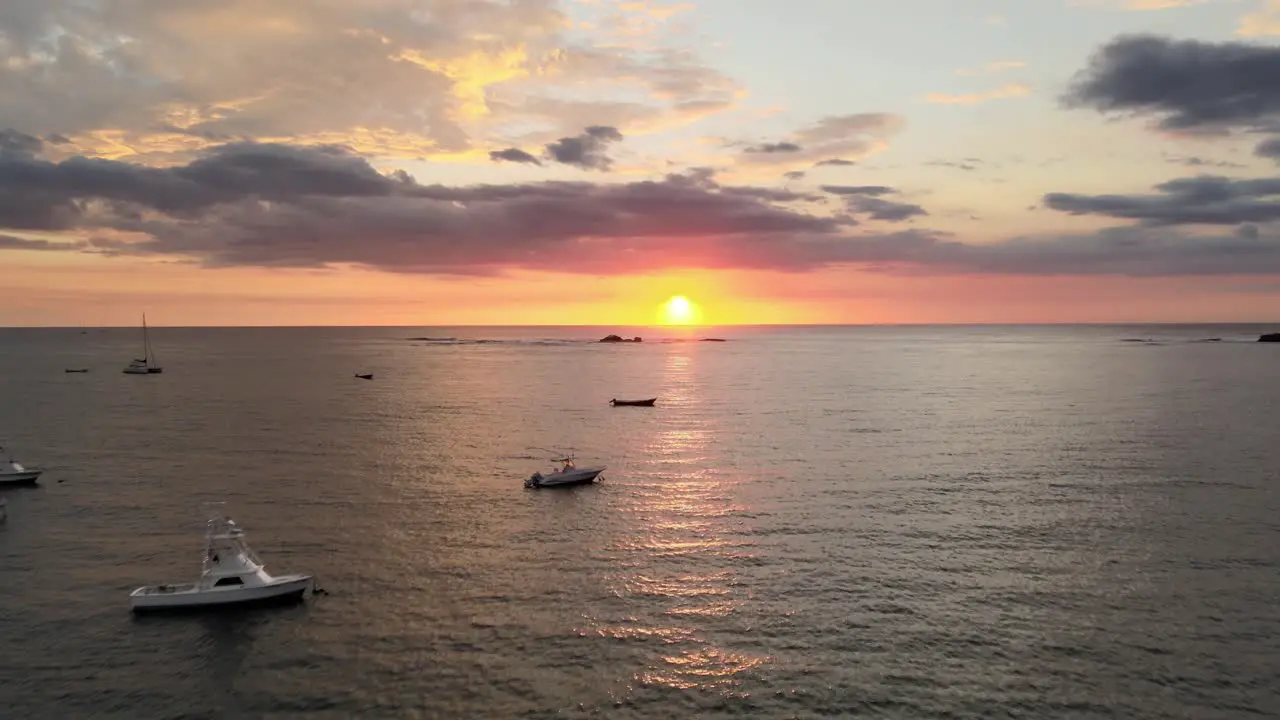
[890, 522]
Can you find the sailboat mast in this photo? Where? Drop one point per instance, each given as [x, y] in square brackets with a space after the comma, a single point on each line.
[146, 341]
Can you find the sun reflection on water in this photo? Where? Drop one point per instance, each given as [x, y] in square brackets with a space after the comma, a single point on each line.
[679, 557]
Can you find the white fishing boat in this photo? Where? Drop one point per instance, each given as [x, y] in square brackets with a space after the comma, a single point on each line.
[567, 474]
[232, 576]
[13, 472]
[146, 365]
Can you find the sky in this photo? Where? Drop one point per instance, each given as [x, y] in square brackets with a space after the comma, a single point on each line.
[566, 162]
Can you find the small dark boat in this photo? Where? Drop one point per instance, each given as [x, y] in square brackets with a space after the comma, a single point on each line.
[365, 376]
[76, 370]
[633, 403]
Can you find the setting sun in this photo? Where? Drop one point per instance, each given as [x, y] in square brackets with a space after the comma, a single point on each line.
[679, 311]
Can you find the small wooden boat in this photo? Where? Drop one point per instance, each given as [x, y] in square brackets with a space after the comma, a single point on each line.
[633, 403]
[365, 376]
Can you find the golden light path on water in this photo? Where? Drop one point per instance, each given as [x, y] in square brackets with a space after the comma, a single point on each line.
[680, 549]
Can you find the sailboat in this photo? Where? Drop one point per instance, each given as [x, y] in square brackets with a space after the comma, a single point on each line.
[147, 365]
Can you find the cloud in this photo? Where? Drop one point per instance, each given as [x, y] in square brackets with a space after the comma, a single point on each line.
[9, 242]
[1188, 84]
[827, 142]
[1193, 161]
[868, 200]
[1200, 200]
[793, 175]
[587, 150]
[886, 210]
[834, 162]
[1008, 90]
[515, 155]
[1269, 148]
[778, 147]
[871, 190]
[117, 79]
[18, 143]
[273, 205]
[968, 164]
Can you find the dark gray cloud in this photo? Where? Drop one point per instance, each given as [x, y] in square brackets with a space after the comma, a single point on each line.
[280, 206]
[1201, 200]
[870, 190]
[867, 200]
[587, 150]
[834, 162]
[793, 175]
[13, 142]
[1269, 148]
[272, 205]
[886, 210]
[1189, 85]
[515, 155]
[778, 147]
[9, 242]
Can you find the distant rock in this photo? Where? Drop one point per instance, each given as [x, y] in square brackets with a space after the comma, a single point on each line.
[618, 339]
[1270, 337]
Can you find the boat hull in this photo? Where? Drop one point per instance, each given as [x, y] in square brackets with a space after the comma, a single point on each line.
[26, 477]
[553, 480]
[282, 591]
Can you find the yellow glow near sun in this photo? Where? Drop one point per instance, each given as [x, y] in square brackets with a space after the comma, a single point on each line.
[679, 311]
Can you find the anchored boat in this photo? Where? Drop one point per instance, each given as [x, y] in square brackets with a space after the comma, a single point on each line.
[232, 576]
[13, 472]
[633, 403]
[567, 474]
[145, 365]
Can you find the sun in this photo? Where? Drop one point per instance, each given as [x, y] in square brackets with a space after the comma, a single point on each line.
[679, 311]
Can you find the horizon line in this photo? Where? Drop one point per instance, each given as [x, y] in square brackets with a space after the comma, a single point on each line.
[1113, 323]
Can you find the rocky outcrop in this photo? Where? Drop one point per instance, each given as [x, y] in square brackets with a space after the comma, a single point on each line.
[1270, 337]
[618, 339]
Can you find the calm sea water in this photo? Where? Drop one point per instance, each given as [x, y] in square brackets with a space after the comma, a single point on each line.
[884, 522]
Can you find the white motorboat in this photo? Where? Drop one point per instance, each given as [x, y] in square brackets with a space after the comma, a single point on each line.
[567, 474]
[13, 472]
[233, 576]
[146, 365]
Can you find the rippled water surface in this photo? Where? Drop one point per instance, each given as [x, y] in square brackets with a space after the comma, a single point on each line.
[889, 522]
